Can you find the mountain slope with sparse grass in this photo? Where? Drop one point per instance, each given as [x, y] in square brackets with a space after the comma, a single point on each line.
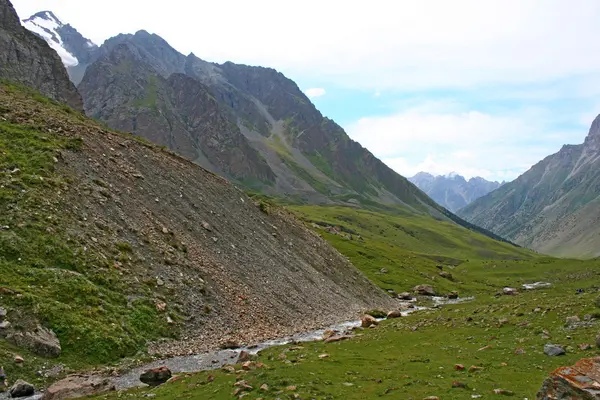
[114, 243]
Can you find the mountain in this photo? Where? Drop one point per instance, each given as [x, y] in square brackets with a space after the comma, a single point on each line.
[27, 59]
[250, 124]
[150, 245]
[75, 51]
[453, 191]
[554, 207]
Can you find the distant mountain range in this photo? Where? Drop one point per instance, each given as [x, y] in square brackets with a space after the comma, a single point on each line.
[554, 207]
[453, 191]
[250, 124]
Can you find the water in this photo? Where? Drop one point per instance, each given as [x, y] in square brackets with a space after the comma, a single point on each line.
[219, 358]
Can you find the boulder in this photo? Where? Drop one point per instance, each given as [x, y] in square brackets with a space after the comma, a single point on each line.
[446, 275]
[580, 381]
[337, 338]
[244, 356]
[21, 389]
[394, 314]
[405, 296]
[156, 376]
[424, 290]
[452, 295]
[367, 321]
[510, 291]
[572, 320]
[40, 341]
[78, 385]
[554, 350]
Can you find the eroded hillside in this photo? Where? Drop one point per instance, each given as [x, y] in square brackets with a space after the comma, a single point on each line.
[112, 242]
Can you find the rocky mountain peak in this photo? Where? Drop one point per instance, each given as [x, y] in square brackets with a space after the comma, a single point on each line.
[27, 59]
[452, 190]
[75, 51]
[593, 138]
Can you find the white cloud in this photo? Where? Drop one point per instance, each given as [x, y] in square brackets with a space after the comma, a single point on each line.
[315, 92]
[390, 44]
[440, 137]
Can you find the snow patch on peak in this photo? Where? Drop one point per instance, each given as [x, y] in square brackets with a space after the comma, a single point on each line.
[45, 24]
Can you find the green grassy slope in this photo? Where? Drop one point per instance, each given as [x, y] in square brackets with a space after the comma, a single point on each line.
[46, 275]
[409, 246]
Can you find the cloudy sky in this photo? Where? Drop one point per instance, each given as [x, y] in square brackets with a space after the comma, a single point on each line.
[482, 88]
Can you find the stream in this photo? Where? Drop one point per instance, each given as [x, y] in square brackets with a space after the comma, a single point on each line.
[219, 358]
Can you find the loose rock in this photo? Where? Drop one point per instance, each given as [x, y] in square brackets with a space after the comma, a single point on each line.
[21, 389]
[74, 386]
[509, 291]
[394, 314]
[156, 376]
[424, 290]
[459, 385]
[503, 392]
[446, 275]
[366, 321]
[459, 367]
[553, 350]
[405, 296]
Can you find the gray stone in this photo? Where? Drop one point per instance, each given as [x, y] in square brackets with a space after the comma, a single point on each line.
[554, 350]
[156, 376]
[41, 341]
[424, 290]
[21, 389]
[79, 385]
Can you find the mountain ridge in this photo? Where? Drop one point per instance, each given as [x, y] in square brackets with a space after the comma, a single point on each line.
[552, 207]
[453, 191]
[309, 158]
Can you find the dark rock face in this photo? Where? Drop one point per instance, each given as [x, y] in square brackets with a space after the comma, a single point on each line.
[553, 207]
[27, 59]
[579, 381]
[127, 93]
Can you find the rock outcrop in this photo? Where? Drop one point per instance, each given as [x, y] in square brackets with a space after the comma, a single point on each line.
[580, 381]
[78, 385]
[27, 59]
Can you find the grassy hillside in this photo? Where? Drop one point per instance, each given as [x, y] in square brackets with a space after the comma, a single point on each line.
[414, 357]
[407, 247]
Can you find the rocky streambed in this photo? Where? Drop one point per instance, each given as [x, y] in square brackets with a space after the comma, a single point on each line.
[219, 358]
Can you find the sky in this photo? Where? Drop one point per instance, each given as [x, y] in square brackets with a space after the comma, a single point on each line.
[481, 88]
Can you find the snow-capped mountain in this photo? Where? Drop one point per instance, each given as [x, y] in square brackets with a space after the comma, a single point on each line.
[75, 51]
[452, 190]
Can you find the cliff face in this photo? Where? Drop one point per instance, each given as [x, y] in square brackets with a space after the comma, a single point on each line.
[124, 90]
[27, 59]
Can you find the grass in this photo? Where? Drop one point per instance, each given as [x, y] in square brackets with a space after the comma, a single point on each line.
[408, 247]
[47, 276]
[414, 357]
[150, 94]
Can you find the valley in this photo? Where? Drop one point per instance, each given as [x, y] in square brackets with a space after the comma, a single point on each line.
[174, 228]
